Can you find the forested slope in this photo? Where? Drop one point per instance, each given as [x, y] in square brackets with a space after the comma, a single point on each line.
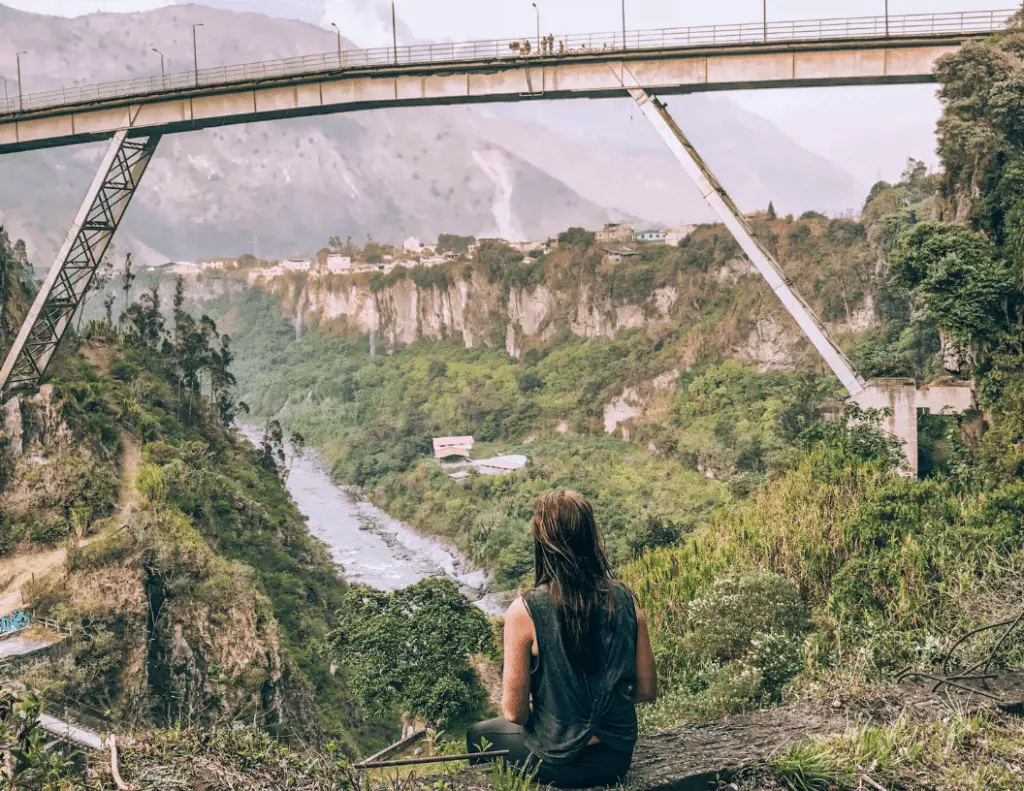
[191, 586]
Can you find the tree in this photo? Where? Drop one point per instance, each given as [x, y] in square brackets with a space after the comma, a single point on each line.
[222, 381]
[437, 369]
[108, 308]
[771, 211]
[576, 237]
[530, 381]
[104, 274]
[271, 454]
[297, 442]
[964, 288]
[127, 278]
[452, 243]
[410, 648]
[144, 319]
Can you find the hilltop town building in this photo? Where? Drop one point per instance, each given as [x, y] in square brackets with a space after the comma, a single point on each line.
[614, 232]
[338, 264]
[413, 245]
[500, 465]
[654, 235]
[298, 265]
[673, 236]
[267, 273]
[217, 263]
[616, 254]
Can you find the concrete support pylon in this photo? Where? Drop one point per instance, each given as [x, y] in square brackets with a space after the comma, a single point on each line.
[897, 399]
[718, 199]
[68, 280]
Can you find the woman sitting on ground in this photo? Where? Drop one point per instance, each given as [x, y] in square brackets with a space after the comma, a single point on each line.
[577, 645]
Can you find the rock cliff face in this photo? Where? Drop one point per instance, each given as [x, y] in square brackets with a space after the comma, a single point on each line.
[475, 312]
[163, 628]
[470, 310]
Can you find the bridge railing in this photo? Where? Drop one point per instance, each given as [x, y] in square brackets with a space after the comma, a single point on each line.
[797, 31]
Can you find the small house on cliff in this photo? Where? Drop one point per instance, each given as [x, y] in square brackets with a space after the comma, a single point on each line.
[452, 449]
[614, 255]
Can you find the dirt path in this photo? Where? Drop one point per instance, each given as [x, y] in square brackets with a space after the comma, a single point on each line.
[19, 570]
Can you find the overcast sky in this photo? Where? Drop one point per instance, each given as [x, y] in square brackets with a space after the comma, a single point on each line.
[440, 19]
[868, 131]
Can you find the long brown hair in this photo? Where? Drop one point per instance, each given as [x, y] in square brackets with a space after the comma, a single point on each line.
[570, 560]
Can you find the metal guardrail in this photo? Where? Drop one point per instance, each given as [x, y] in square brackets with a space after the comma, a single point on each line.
[54, 626]
[871, 27]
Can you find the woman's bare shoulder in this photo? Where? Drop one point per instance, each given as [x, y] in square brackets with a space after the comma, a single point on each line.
[517, 610]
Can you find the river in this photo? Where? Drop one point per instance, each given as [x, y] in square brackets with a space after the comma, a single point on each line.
[372, 548]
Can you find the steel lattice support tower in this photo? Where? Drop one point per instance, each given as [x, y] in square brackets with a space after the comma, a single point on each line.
[76, 263]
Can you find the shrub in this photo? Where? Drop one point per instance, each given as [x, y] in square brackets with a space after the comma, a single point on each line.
[50, 529]
[738, 611]
[151, 484]
[653, 532]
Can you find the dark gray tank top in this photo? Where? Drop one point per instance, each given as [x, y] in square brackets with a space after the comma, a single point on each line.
[569, 707]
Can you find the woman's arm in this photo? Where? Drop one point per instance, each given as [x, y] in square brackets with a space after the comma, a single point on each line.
[519, 637]
[646, 688]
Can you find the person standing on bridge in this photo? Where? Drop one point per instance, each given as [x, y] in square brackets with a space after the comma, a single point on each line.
[578, 658]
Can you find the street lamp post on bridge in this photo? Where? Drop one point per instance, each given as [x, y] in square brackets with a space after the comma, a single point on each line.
[623, 24]
[394, 32]
[887, 18]
[764, 16]
[21, 93]
[195, 50]
[535, 8]
[339, 41]
[163, 68]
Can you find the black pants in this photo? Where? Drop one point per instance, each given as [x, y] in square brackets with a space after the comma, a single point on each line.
[598, 764]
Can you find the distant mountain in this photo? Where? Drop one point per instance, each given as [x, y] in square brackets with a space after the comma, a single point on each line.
[284, 187]
[608, 152]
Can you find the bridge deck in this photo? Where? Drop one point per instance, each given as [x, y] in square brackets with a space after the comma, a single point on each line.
[863, 50]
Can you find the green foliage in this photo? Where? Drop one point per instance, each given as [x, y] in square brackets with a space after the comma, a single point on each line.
[969, 751]
[495, 258]
[578, 237]
[736, 611]
[410, 648]
[452, 243]
[808, 767]
[508, 777]
[28, 760]
[964, 288]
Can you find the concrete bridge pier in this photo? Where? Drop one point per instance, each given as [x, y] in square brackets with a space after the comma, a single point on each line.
[900, 400]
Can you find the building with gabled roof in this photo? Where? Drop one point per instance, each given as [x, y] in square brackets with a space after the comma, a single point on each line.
[449, 447]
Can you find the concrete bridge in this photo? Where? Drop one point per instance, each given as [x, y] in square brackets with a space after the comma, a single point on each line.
[855, 51]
